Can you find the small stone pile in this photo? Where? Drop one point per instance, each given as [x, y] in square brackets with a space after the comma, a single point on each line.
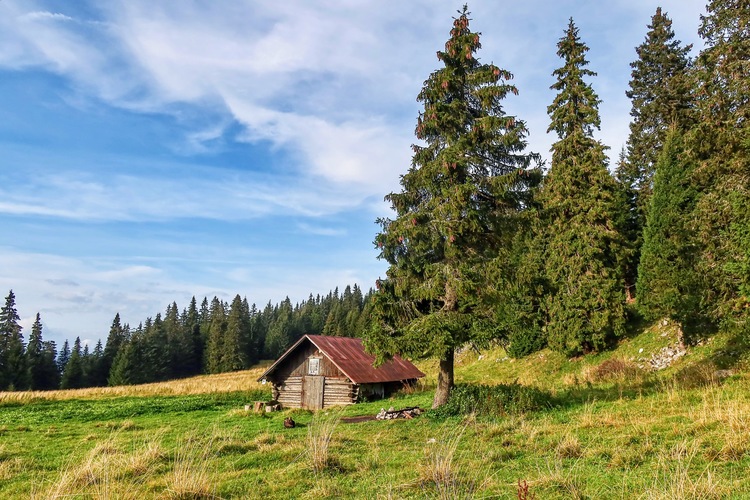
[666, 356]
[391, 414]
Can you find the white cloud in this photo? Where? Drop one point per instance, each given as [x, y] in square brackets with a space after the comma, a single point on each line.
[321, 231]
[35, 16]
[151, 190]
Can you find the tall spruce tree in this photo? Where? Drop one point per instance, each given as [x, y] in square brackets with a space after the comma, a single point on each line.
[255, 339]
[87, 366]
[49, 356]
[457, 209]
[177, 348]
[720, 143]
[63, 358]
[660, 92]
[191, 324]
[217, 328]
[115, 340]
[666, 274]
[236, 336]
[35, 357]
[204, 318]
[585, 301]
[12, 347]
[73, 376]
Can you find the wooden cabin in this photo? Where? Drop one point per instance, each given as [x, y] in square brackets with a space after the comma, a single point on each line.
[320, 372]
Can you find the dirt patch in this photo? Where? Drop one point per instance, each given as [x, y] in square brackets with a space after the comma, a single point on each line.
[356, 420]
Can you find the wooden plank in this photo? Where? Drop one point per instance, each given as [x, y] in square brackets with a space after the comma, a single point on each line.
[312, 392]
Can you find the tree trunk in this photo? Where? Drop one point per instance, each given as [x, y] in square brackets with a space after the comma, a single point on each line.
[445, 379]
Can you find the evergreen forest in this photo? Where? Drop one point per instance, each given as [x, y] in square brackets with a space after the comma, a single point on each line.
[488, 244]
[210, 337]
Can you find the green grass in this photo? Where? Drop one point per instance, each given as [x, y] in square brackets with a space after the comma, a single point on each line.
[614, 431]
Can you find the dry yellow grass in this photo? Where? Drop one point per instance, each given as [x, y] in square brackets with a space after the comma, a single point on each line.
[319, 435]
[203, 384]
[192, 475]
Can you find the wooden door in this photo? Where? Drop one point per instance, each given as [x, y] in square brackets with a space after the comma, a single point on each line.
[312, 389]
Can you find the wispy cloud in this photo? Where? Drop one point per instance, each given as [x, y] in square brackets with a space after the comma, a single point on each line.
[161, 194]
[321, 231]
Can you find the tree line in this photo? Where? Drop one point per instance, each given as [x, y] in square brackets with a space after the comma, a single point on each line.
[212, 337]
[490, 244]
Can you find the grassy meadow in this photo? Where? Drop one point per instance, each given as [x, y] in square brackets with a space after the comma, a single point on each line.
[614, 429]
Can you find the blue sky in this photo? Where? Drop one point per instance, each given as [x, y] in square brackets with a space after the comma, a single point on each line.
[155, 151]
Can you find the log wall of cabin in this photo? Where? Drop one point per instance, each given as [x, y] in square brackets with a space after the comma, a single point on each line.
[289, 392]
[288, 383]
[337, 391]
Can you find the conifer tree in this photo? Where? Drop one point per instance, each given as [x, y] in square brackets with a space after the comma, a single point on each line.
[87, 366]
[98, 376]
[204, 317]
[254, 344]
[660, 92]
[521, 312]
[335, 320]
[49, 358]
[115, 340]
[128, 365]
[585, 302]
[178, 345]
[457, 209]
[156, 350]
[720, 142]
[217, 328]
[234, 342]
[73, 376]
[12, 347]
[364, 322]
[35, 357]
[192, 333]
[63, 358]
[354, 313]
[263, 324]
[281, 330]
[305, 315]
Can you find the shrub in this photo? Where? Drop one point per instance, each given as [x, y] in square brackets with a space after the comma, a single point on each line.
[615, 369]
[493, 400]
[524, 342]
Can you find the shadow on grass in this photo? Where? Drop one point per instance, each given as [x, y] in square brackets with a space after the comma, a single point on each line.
[702, 374]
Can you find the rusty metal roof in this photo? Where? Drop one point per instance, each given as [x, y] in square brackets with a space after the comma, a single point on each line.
[349, 356]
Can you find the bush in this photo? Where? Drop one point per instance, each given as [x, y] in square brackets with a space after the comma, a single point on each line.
[493, 400]
[616, 369]
[524, 342]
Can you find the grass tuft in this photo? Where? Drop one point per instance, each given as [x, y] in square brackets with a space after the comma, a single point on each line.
[445, 473]
[191, 474]
[569, 447]
[319, 435]
[679, 476]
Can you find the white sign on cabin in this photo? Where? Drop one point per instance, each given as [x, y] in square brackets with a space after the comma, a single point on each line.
[314, 366]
